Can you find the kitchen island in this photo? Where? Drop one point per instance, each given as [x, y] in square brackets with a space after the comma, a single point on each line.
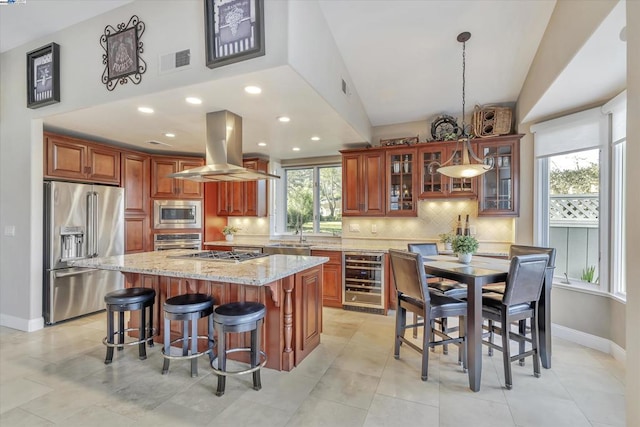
[289, 286]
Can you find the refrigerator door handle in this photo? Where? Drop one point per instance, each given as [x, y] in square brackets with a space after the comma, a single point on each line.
[90, 235]
[75, 272]
[94, 229]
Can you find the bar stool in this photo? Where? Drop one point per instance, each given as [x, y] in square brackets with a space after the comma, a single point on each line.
[129, 299]
[239, 317]
[185, 308]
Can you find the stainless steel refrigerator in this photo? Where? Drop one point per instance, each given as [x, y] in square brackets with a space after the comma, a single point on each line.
[80, 221]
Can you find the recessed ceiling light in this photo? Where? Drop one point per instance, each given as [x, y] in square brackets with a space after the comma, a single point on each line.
[145, 110]
[193, 100]
[170, 135]
[253, 90]
[315, 138]
[284, 119]
[296, 149]
[262, 144]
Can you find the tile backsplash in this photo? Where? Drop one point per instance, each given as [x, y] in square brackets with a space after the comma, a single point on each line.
[434, 218]
[495, 234]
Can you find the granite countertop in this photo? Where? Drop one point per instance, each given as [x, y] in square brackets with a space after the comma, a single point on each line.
[255, 272]
[363, 246]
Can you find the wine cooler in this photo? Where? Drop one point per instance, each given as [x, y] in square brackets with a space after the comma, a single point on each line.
[363, 279]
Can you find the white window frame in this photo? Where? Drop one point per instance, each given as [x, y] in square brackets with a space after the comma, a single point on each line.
[281, 220]
[617, 110]
[576, 132]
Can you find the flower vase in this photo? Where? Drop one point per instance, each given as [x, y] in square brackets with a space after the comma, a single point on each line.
[228, 237]
[447, 246]
[464, 258]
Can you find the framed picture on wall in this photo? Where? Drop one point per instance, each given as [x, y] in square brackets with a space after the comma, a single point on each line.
[234, 31]
[43, 76]
[122, 48]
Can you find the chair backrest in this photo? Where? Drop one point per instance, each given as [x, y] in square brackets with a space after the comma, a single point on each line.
[524, 282]
[423, 249]
[529, 250]
[409, 275]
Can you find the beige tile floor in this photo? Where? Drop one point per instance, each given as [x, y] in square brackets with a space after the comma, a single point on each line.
[56, 376]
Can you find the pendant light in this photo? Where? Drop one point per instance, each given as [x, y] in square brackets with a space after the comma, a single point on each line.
[466, 169]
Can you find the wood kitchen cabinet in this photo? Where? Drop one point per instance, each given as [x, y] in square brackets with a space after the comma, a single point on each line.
[78, 160]
[307, 311]
[163, 187]
[363, 182]
[247, 198]
[401, 195]
[498, 193]
[435, 185]
[135, 179]
[331, 278]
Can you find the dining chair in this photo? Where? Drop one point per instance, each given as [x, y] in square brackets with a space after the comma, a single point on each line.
[519, 302]
[448, 288]
[517, 250]
[437, 284]
[413, 295]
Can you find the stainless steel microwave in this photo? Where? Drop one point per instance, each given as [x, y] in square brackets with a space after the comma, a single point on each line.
[177, 214]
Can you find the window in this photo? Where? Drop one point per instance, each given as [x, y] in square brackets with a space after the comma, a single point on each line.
[579, 189]
[617, 108]
[574, 205]
[314, 199]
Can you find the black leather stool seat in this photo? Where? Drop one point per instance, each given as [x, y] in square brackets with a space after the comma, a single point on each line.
[188, 303]
[130, 296]
[129, 299]
[188, 308]
[239, 317]
[234, 313]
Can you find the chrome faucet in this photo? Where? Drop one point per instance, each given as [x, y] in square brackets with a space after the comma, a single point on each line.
[299, 227]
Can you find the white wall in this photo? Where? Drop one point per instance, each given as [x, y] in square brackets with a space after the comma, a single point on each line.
[632, 209]
[81, 70]
[313, 53]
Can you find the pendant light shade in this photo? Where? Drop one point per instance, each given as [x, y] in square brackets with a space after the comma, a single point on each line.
[466, 169]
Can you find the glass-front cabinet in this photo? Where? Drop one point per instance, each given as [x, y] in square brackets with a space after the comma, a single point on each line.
[401, 182]
[435, 185]
[498, 195]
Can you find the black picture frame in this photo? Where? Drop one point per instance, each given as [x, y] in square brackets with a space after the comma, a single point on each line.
[234, 31]
[122, 48]
[43, 76]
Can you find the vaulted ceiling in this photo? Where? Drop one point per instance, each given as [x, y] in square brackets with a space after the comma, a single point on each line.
[402, 57]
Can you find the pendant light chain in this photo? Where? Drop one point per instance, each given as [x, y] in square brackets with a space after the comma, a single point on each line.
[466, 169]
[464, 84]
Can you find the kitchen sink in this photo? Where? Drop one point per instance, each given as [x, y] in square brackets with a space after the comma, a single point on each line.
[290, 245]
[287, 249]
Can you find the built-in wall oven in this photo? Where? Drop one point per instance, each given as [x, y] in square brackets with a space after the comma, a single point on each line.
[177, 214]
[166, 241]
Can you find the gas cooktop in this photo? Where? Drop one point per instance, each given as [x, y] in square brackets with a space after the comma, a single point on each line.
[224, 256]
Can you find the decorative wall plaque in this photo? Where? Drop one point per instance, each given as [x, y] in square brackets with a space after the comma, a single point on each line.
[122, 49]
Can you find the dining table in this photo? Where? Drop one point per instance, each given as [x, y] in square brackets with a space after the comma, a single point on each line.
[478, 272]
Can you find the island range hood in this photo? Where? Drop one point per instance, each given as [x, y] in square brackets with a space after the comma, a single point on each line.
[224, 153]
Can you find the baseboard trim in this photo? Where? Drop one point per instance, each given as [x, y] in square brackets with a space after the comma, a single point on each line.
[27, 325]
[597, 343]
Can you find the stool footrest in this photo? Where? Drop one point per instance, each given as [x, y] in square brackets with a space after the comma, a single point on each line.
[263, 357]
[189, 356]
[151, 333]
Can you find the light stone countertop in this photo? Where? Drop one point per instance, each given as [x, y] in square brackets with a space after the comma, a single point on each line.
[351, 246]
[255, 272]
